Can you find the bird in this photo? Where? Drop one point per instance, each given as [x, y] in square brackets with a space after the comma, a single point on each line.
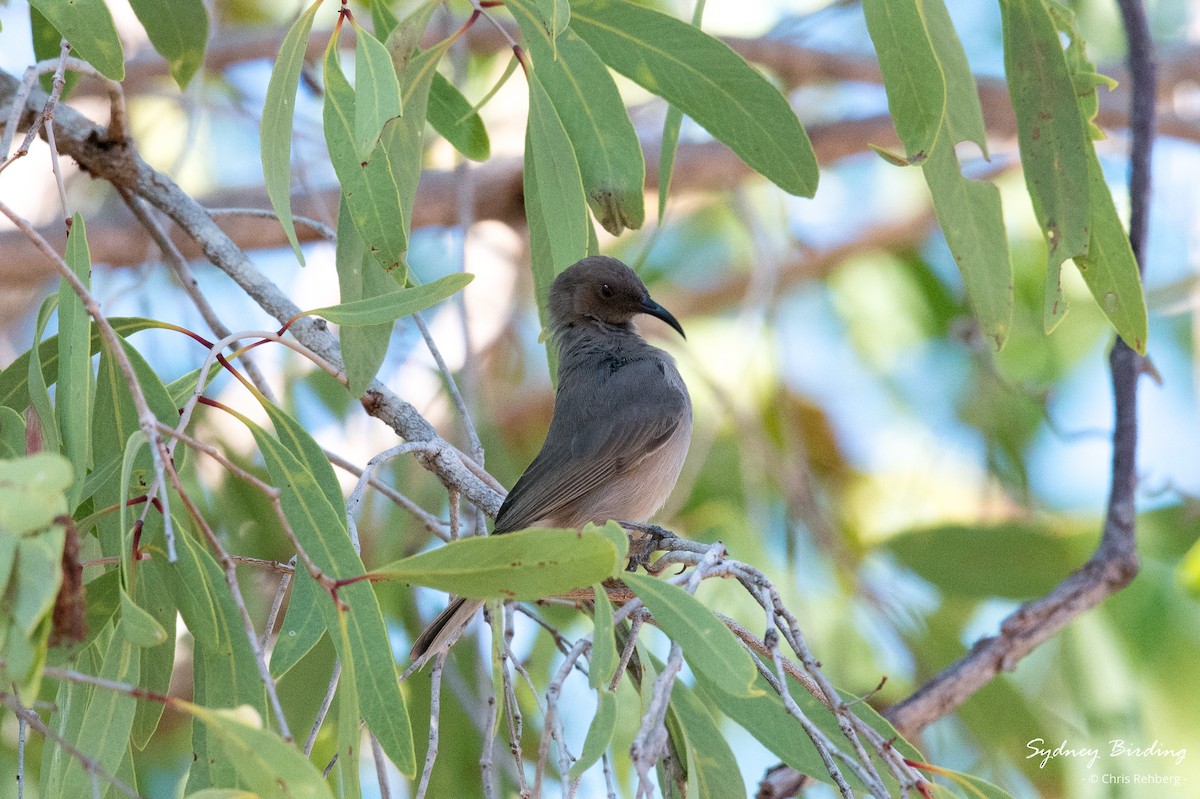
[620, 430]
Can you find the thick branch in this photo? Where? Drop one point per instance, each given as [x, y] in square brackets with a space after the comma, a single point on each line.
[117, 163]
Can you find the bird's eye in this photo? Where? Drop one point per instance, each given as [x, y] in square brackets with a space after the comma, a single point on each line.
[606, 291]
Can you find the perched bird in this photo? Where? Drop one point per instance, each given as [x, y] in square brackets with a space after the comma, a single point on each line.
[621, 426]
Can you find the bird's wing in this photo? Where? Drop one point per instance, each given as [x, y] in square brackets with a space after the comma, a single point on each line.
[605, 423]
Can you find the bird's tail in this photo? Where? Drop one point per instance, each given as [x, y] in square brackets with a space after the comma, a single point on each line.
[443, 631]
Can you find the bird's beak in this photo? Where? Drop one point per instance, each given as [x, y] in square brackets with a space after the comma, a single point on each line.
[652, 308]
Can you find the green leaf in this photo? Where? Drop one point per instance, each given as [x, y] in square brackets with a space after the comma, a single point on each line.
[530, 564]
[263, 761]
[912, 76]
[554, 198]
[73, 398]
[349, 732]
[46, 44]
[32, 491]
[707, 81]
[593, 115]
[222, 793]
[374, 188]
[153, 594]
[383, 18]
[89, 27]
[114, 423]
[108, 720]
[320, 528]
[453, 116]
[193, 589]
[599, 734]
[1109, 267]
[178, 29]
[972, 220]
[708, 645]
[1083, 71]
[1012, 559]
[1051, 136]
[303, 624]
[12, 433]
[376, 90]
[552, 17]
[38, 577]
[140, 628]
[275, 133]
[764, 716]
[70, 701]
[14, 386]
[713, 766]
[363, 346]
[605, 658]
[395, 305]
[39, 393]
[964, 116]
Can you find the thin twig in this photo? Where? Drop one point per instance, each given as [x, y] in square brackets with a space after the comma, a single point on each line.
[280, 592]
[435, 714]
[323, 710]
[385, 790]
[452, 386]
[552, 729]
[320, 228]
[431, 523]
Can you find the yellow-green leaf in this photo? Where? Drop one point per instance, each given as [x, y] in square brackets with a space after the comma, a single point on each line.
[530, 564]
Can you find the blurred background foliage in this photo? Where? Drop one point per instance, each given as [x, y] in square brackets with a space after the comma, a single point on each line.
[905, 485]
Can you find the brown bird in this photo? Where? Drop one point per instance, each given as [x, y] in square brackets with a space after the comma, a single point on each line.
[621, 426]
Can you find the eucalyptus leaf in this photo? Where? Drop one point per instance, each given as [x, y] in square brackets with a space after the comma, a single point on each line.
[14, 386]
[275, 132]
[708, 81]
[452, 116]
[89, 27]
[394, 305]
[1053, 140]
[376, 90]
[912, 75]
[593, 115]
[529, 564]
[178, 29]
[73, 397]
[263, 760]
[708, 645]
[605, 658]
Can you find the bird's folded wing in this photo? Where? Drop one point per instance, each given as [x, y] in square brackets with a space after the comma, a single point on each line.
[606, 431]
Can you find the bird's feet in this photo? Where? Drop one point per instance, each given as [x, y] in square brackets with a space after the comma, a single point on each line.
[645, 541]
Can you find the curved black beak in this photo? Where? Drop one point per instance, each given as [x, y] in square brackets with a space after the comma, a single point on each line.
[652, 308]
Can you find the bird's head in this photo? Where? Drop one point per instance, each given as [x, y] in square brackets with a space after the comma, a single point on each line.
[603, 289]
